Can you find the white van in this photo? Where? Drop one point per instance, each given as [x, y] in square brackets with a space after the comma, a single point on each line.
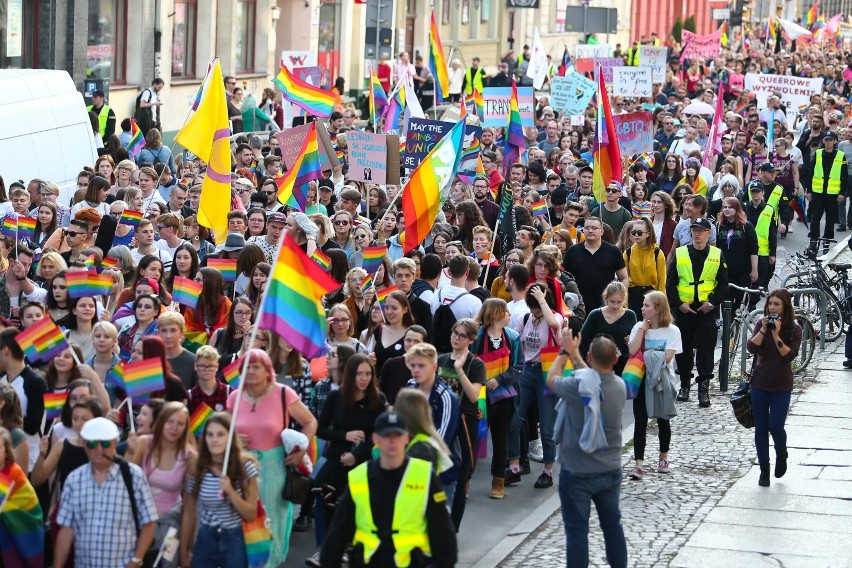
[45, 130]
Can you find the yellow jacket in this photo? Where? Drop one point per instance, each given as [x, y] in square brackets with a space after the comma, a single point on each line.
[645, 267]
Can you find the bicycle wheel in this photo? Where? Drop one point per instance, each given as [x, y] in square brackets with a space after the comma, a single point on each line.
[806, 351]
[808, 304]
[733, 350]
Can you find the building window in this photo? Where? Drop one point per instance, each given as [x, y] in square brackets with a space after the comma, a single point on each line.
[245, 24]
[465, 12]
[485, 11]
[183, 38]
[106, 48]
[445, 12]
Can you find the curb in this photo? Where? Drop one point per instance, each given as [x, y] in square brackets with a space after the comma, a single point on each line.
[836, 250]
[515, 537]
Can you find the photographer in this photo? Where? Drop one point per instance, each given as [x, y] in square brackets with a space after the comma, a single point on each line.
[775, 344]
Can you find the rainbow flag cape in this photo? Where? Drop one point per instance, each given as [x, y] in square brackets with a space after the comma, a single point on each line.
[306, 168]
[811, 15]
[53, 403]
[607, 155]
[396, 106]
[186, 291]
[231, 373]
[425, 191]
[383, 294]
[514, 143]
[539, 209]
[137, 138]
[366, 283]
[373, 257]
[293, 303]
[26, 227]
[199, 419]
[226, 266]
[21, 522]
[143, 378]
[479, 103]
[42, 340]
[321, 258]
[313, 100]
[438, 63]
[82, 283]
[378, 99]
[130, 217]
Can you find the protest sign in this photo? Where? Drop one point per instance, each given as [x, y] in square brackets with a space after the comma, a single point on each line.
[632, 81]
[301, 58]
[634, 132]
[585, 65]
[605, 65]
[291, 142]
[700, 47]
[310, 75]
[571, 94]
[496, 103]
[422, 135]
[373, 157]
[472, 148]
[795, 91]
[592, 51]
[656, 58]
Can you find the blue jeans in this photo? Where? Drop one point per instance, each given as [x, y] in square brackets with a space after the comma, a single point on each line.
[216, 546]
[576, 493]
[531, 390]
[770, 414]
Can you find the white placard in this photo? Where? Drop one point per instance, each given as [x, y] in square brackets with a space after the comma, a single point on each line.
[632, 81]
[795, 91]
[656, 58]
[592, 51]
[293, 59]
[571, 94]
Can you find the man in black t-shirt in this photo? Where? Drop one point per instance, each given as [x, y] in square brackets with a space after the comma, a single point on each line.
[594, 264]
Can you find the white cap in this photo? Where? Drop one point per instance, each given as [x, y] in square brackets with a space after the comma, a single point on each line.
[244, 181]
[98, 429]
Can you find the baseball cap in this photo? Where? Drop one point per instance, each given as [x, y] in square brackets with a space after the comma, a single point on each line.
[325, 183]
[727, 137]
[829, 134]
[755, 186]
[98, 93]
[98, 429]
[389, 423]
[702, 223]
[244, 181]
[766, 167]
[275, 217]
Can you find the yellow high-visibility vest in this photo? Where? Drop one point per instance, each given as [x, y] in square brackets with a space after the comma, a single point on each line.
[762, 230]
[686, 287]
[818, 180]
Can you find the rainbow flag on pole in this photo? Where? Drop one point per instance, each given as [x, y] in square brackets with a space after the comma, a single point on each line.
[137, 138]
[130, 217]
[10, 226]
[515, 143]
[313, 100]
[186, 291]
[293, 302]
[438, 63]
[82, 283]
[539, 209]
[42, 340]
[26, 227]
[396, 106]
[226, 266]
[383, 294]
[21, 522]
[231, 373]
[306, 168]
[53, 403]
[373, 257]
[378, 99]
[199, 419]
[143, 378]
[479, 104]
[811, 15]
[607, 155]
[321, 258]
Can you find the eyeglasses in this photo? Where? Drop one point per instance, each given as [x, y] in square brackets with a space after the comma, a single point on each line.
[512, 261]
[456, 335]
[637, 233]
[335, 321]
[206, 367]
[161, 227]
[92, 444]
[268, 192]
[244, 314]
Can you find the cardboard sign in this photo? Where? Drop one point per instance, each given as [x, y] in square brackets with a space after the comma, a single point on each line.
[592, 51]
[605, 66]
[632, 81]
[472, 148]
[634, 132]
[422, 135]
[571, 94]
[795, 91]
[584, 65]
[656, 58]
[291, 142]
[496, 103]
[700, 47]
[373, 158]
[302, 58]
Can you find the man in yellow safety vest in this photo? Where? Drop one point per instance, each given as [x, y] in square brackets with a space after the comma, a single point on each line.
[394, 510]
[106, 116]
[826, 184]
[763, 216]
[474, 78]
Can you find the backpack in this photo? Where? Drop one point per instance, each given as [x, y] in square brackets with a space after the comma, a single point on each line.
[144, 117]
[442, 324]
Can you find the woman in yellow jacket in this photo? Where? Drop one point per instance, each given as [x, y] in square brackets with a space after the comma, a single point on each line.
[646, 264]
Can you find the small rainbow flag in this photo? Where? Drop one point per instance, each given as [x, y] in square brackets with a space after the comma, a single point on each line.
[82, 283]
[137, 138]
[10, 226]
[116, 375]
[130, 217]
[378, 98]
[373, 257]
[110, 262]
[143, 378]
[321, 258]
[199, 419]
[366, 283]
[42, 340]
[226, 266]
[385, 292]
[312, 99]
[53, 403]
[90, 262]
[479, 103]
[232, 374]
[539, 209]
[26, 227]
[186, 291]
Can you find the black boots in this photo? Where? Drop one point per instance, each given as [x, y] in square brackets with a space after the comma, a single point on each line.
[683, 395]
[764, 475]
[704, 393]
[780, 465]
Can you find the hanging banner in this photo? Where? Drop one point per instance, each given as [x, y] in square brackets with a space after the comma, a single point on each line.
[700, 47]
[373, 158]
[795, 91]
[496, 103]
[632, 81]
[571, 94]
[634, 132]
[656, 58]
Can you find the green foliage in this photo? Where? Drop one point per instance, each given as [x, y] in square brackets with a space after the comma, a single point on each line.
[689, 23]
[676, 29]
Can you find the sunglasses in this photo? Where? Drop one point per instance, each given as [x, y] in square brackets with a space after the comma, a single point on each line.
[341, 223]
[637, 233]
[613, 190]
[73, 233]
[92, 444]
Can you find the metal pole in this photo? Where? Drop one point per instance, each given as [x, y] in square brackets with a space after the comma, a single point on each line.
[724, 363]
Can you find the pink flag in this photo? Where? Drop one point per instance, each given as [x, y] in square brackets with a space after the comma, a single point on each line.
[714, 140]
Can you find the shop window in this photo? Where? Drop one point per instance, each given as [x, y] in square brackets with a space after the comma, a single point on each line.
[183, 38]
[245, 21]
[106, 45]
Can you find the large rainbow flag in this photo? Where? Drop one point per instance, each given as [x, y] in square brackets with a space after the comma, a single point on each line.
[306, 168]
[607, 154]
[312, 100]
[811, 15]
[292, 306]
[438, 63]
[515, 143]
[21, 522]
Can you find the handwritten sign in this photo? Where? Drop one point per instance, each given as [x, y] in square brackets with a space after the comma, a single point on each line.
[592, 51]
[496, 103]
[700, 47]
[472, 148]
[634, 132]
[291, 142]
[605, 66]
[421, 136]
[571, 94]
[310, 75]
[656, 58]
[795, 91]
[373, 157]
[632, 81]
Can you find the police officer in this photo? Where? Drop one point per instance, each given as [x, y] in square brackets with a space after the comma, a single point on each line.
[827, 185]
[697, 283]
[763, 216]
[474, 78]
[775, 197]
[106, 116]
[394, 510]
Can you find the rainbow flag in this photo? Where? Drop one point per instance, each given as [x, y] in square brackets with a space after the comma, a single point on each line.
[383, 294]
[471, 154]
[116, 375]
[186, 291]
[724, 29]
[322, 259]
[424, 193]
[396, 106]
[312, 99]
[143, 378]
[378, 99]
[192, 340]
[741, 108]
[10, 226]
[548, 356]
[42, 340]
[811, 15]
[21, 522]
[539, 209]
[82, 283]
[819, 23]
[26, 227]
[293, 304]
[109, 262]
[90, 262]
[199, 419]
[226, 266]
[770, 27]
[607, 155]
[258, 540]
[437, 63]
[514, 143]
[479, 103]
[315, 449]
[231, 373]
[130, 217]
[306, 168]
[366, 283]
[373, 257]
[137, 138]
[53, 403]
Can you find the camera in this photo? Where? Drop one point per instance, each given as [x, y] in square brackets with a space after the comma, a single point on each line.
[772, 319]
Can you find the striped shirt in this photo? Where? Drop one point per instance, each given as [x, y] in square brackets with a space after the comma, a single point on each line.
[213, 509]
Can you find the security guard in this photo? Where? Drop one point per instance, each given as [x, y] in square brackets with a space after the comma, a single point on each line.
[106, 116]
[826, 185]
[394, 510]
[773, 194]
[762, 215]
[631, 56]
[474, 78]
[697, 282]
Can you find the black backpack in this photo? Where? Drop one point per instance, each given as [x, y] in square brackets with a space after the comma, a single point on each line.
[144, 117]
[442, 324]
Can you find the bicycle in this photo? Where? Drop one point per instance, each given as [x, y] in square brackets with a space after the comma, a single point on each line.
[836, 289]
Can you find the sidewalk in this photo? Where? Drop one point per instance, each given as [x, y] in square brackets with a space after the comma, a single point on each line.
[709, 511]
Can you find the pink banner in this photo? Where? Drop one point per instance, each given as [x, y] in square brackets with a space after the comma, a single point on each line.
[700, 47]
[634, 132]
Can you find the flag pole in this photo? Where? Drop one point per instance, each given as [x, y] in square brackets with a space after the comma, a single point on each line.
[494, 236]
[372, 113]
